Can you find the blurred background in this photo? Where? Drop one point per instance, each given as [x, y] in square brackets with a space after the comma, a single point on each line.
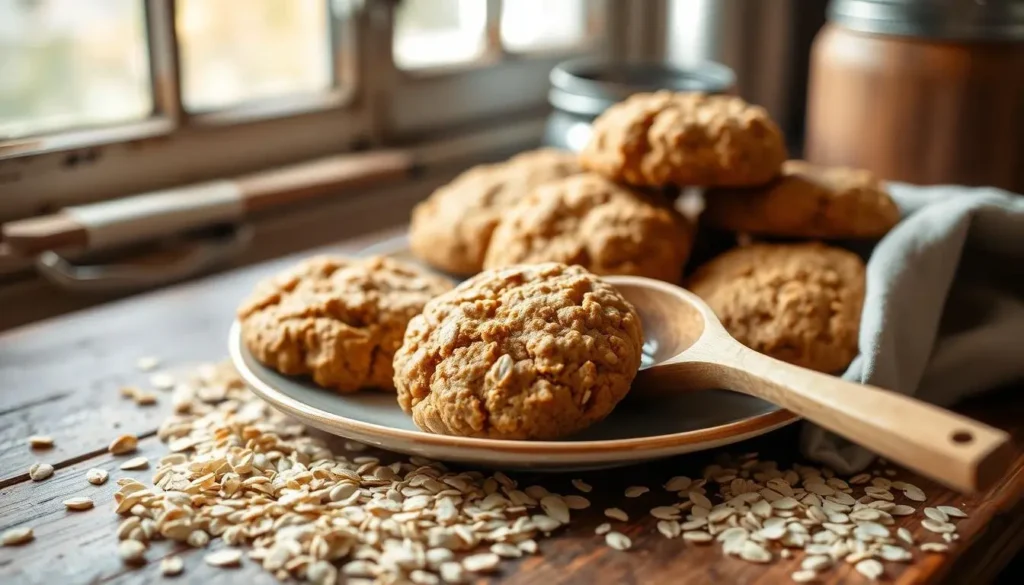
[104, 100]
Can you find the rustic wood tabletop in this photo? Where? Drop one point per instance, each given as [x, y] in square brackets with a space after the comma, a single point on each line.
[61, 378]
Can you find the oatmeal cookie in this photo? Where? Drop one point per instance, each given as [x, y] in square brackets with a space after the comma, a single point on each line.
[590, 221]
[336, 319]
[667, 138]
[799, 303]
[807, 201]
[526, 352]
[451, 229]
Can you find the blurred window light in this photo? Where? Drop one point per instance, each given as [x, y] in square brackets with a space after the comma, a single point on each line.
[537, 25]
[237, 51]
[431, 33]
[69, 64]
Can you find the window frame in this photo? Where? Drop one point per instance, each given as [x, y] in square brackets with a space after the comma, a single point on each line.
[41, 173]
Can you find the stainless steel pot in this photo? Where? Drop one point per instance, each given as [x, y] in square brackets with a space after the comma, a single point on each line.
[582, 89]
[766, 42]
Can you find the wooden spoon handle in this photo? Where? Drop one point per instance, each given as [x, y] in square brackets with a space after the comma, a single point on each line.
[960, 452]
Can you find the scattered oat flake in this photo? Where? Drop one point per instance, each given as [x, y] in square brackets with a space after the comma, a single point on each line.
[902, 510]
[804, 576]
[128, 391]
[147, 363]
[618, 541]
[124, 444]
[582, 485]
[17, 536]
[905, 535]
[678, 483]
[669, 528]
[697, 536]
[226, 557]
[937, 526]
[172, 565]
[40, 471]
[135, 463]
[952, 511]
[635, 491]
[755, 553]
[575, 502]
[481, 563]
[935, 547]
[40, 442]
[860, 478]
[616, 514]
[162, 381]
[145, 398]
[816, 562]
[96, 476]
[700, 499]
[132, 552]
[936, 514]
[602, 528]
[78, 503]
[665, 512]
[870, 568]
[915, 494]
[504, 549]
[555, 507]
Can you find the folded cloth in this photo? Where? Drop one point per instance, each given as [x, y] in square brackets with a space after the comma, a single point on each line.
[943, 313]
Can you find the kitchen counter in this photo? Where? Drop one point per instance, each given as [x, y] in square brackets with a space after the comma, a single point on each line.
[61, 378]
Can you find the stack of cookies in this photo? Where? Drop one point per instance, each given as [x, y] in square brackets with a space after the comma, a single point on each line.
[534, 345]
[613, 210]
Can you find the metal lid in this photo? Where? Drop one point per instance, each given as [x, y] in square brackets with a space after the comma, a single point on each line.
[589, 86]
[985, 20]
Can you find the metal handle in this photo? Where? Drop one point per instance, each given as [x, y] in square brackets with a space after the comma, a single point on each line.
[206, 252]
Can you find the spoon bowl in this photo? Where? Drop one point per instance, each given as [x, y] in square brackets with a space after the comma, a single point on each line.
[693, 351]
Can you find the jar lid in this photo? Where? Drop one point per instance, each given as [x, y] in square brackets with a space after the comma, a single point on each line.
[986, 20]
[590, 86]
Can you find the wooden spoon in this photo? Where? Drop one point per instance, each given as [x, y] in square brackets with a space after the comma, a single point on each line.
[694, 352]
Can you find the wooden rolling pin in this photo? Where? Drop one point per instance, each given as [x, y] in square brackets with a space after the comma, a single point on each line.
[162, 213]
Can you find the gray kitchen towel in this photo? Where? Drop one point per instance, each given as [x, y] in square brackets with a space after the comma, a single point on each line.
[944, 310]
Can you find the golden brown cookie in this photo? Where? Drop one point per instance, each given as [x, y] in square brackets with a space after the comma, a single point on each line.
[799, 303]
[807, 201]
[527, 352]
[336, 319]
[667, 138]
[451, 229]
[590, 221]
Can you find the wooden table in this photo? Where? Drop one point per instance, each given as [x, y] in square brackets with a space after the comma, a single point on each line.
[61, 378]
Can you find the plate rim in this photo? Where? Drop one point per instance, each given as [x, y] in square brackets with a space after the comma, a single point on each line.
[745, 428]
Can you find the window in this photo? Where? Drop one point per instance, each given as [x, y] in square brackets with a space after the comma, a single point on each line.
[234, 51]
[533, 25]
[69, 64]
[101, 99]
[432, 33]
[429, 33]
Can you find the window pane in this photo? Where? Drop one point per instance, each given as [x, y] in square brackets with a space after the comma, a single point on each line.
[233, 51]
[68, 63]
[439, 32]
[530, 25]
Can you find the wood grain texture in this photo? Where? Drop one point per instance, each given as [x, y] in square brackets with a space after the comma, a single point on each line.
[61, 377]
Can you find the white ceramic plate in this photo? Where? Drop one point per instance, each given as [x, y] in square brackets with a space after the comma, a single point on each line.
[636, 431]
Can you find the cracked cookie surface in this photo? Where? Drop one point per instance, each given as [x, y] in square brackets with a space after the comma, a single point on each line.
[799, 303]
[806, 201]
[685, 139]
[590, 221]
[450, 230]
[339, 320]
[525, 352]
